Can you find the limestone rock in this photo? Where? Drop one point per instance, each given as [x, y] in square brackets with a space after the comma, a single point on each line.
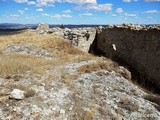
[25, 49]
[79, 37]
[17, 94]
[43, 26]
[62, 111]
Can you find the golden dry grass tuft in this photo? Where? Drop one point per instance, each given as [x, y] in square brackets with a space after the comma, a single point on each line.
[89, 115]
[99, 64]
[155, 99]
[29, 93]
[125, 103]
[120, 112]
[13, 64]
[67, 78]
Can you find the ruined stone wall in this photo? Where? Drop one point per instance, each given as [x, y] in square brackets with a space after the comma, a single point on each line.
[137, 48]
[84, 43]
[82, 38]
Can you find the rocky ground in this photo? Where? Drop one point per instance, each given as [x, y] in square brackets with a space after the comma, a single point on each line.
[75, 86]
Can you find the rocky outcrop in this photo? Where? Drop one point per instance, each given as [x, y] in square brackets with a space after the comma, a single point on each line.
[44, 29]
[43, 26]
[135, 46]
[79, 37]
[26, 49]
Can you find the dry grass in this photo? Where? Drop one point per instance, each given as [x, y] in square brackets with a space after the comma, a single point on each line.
[100, 73]
[89, 115]
[67, 78]
[125, 103]
[99, 64]
[12, 86]
[29, 93]
[14, 64]
[120, 112]
[155, 99]
[59, 48]
[105, 64]
[57, 45]
[57, 113]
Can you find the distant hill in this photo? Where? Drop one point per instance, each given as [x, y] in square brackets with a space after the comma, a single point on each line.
[32, 26]
[6, 25]
[10, 28]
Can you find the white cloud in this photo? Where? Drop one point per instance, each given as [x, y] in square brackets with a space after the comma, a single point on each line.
[31, 3]
[97, 7]
[58, 16]
[81, 1]
[66, 16]
[114, 15]
[21, 11]
[126, 0]
[45, 14]
[129, 0]
[152, 11]
[130, 15]
[46, 2]
[67, 11]
[39, 10]
[119, 10]
[26, 9]
[14, 15]
[152, 0]
[51, 2]
[21, 1]
[86, 14]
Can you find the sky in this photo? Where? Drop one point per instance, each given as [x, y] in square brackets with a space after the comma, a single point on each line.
[80, 11]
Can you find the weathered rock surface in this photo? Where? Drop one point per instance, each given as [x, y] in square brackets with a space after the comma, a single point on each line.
[80, 37]
[43, 26]
[99, 95]
[26, 49]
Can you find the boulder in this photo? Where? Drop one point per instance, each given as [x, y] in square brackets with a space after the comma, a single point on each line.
[17, 94]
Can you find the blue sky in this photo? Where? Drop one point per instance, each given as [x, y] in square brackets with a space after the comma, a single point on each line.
[80, 11]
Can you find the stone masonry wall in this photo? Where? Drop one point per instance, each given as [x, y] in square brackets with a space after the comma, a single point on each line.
[137, 48]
